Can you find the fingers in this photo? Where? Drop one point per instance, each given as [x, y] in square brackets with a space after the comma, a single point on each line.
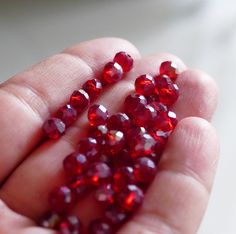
[28, 98]
[11, 222]
[177, 198]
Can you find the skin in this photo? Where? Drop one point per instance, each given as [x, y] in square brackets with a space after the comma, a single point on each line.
[30, 168]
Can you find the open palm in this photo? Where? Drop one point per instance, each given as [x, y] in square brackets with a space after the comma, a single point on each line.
[30, 168]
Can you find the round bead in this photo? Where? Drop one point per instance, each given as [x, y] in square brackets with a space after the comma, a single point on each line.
[130, 198]
[142, 145]
[97, 115]
[61, 199]
[93, 88]
[105, 194]
[70, 225]
[168, 91]
[54, 128]
[100, 226]
[79, 100]
[114, 142]
[166, 121]
[145, 85]
[170, 69]
[134, 101]
[144, 169]
[124, 60]
[119, 122]
[122, 177]
[79, 185]
[89, 147]
[99, 173]
[75, 164]
[112, 72]
[98, 133]
[67, 114]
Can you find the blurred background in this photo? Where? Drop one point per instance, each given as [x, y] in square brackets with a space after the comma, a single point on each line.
[201, 32]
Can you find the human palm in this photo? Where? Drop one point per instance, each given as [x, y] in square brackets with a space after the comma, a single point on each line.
[30, 168]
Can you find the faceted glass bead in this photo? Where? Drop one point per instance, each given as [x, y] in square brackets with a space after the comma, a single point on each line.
[105, 194]
[166, 121]
[112, 72]
[145, 85]
[54, 128]
[70, 225]
[99, 173]
[98, 132]
[144, 116]
[89, 147]
[168, 91]
[115, 215]
[134, 101]
[135, 131]
[119, 122]
[97, 115]
[93, 88]
[170, 69]
[142, 145]
[61, 199]
[50, 220]
[100, 226]
[144, 169]
[130, 198]
[79, 100]
[122, 177]
[79, 185]
[124, 60]
[114, 142]
[75, 164]
[67, 114]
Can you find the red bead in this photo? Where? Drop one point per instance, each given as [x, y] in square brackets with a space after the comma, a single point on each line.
[122, 177]
[54, 128]
[114, 142]
[125, 61]
[134, 101]
[97, 115]
[134, 132]
[142, 145]
[144, 169]
[112, 72]
[130, 198]
[100, 226]
[116, 215]
[61, 199]
[144, 116]
[166, 121]
[170, 69]
[93, 88]
[79, 185]
[105, 194]
[98, 132]
[99, 173]
[89, 147]
[145, 85]
[79, 100]
[75, 164]
[70, 225]
[119, 122]
[50, 220]
[168, 91]
[67, 114]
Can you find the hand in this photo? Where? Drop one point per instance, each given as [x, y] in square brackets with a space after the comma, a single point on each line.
[30, 168]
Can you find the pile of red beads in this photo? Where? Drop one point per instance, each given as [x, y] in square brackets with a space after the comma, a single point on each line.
[118, 159]
[55, 126]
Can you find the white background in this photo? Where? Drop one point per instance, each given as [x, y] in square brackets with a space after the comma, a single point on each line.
[201, 32]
